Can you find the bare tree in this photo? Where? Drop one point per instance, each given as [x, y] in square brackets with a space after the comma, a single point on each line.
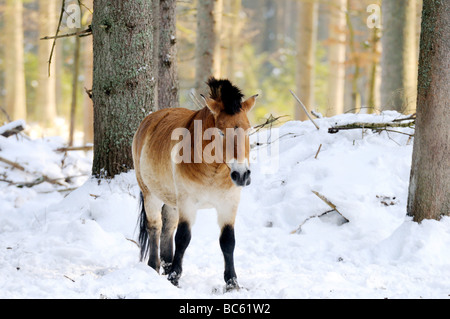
[336, 56]
[14, 61]
[46, 93]
[207, 54]
[306, 48]
[399, 56]
[429, 187]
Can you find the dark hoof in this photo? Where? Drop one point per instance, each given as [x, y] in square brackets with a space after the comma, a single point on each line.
[166, 267]
[232, 285]
[174, 277]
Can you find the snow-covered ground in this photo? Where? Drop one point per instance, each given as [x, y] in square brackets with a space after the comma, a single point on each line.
[81, 243]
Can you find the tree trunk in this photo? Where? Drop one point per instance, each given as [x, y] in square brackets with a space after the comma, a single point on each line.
[306, 48]
[88, 110]
[123, 80]
[233, 39]
[399, 57]
[46, 91]
[207, 54]
[373, 100]
[429, 186]
[15, 99]
[73, 105]
[167, 56]
[336, 57]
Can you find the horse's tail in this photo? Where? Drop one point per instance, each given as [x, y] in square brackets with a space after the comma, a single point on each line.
[143, 229]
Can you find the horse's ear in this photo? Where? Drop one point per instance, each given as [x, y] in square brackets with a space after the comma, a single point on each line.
[248, 104]
[212, 105]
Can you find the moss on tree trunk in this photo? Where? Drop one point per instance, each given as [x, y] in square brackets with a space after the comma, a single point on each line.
[123, 80]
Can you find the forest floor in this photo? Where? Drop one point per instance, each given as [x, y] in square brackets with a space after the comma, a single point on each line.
[64, 234]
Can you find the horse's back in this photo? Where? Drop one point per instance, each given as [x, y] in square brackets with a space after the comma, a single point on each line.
[152, 145]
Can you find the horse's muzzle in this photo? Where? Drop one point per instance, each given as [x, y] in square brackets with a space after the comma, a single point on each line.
[241, 178]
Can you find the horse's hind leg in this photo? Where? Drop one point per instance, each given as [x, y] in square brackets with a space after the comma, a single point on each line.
[169, 224]
[150, 229]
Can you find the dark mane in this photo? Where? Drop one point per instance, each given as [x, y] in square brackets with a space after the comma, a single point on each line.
[230, 95]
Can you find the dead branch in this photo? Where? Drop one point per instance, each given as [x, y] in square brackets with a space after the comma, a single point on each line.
[56, 35]
[74, 148]
[372, 126]
[304, 109]
[269, 122]
[299, 228]
[11, 131]
[320, 146]
[333, 207]
[43, 178]
[82, 33]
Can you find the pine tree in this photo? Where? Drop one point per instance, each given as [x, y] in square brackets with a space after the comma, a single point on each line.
[429, 186]
[123, 80]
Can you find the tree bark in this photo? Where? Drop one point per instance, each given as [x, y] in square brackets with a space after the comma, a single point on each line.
[15, 98]
[88, 68]
[46, 92]
[429, 186]
[399, 56]
[167, 56]
[207, 54]
[306, 48]
[336, 57]
[123, 80]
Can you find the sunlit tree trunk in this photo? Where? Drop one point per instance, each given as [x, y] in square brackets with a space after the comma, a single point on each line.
[207, 54]
[14, 61]
[46, 91]
[336, 57]
[306, 45]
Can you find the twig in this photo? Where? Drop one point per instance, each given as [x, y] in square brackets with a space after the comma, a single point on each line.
[74, 148]
[269, 121]
[82, 33]
[43, 178]
[329, 204]
[56, 35]
[194, 99]
[320, 146]
[304, 109]
[299, 228]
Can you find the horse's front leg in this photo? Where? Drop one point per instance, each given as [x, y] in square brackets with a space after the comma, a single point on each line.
[227, 243]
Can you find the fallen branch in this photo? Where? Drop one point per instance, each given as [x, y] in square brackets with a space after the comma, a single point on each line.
[12, 128]
[43, 178]
[333, 207]
[74, 148]
[304, 109]
[320, 146]
[371, 126]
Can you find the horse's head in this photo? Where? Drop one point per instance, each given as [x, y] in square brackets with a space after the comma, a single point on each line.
[230, 115]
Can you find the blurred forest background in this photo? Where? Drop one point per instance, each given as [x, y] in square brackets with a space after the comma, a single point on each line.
[336, 55]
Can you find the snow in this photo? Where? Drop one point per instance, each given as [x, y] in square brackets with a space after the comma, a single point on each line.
[81, 243]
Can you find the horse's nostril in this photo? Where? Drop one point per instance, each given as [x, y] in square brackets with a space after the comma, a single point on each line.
[234, 176]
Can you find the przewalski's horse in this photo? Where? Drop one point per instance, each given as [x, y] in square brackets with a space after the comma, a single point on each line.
[183, 187]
